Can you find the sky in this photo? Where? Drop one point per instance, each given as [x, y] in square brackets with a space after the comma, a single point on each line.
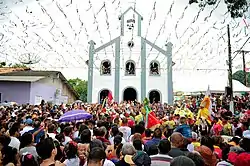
[55, 33]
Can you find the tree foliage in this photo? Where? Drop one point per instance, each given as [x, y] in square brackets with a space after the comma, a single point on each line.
[80, 86]
[2, 64]
[16, 65]
[239, 76]
[236, 7]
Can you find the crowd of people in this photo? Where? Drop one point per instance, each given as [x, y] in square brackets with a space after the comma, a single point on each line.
[117, 134]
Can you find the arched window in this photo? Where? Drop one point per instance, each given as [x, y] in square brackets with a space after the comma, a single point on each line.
[154, 68]
[103, 94]
[130, 68]
[106, 67]
[154, 96]
[129, 94]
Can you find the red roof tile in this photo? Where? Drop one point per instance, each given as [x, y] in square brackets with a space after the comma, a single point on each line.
[11, 69]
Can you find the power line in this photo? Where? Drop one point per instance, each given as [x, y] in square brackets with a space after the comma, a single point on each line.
[108, 27]
[241, 48]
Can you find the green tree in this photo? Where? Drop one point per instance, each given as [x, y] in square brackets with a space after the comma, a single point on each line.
[17, 65]
[80, 86]
[236, 7]
[2, 64]
[239, 76]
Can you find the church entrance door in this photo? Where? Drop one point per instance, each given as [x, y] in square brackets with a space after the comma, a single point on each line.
[103, 94]
[154, 96]
[129, 94]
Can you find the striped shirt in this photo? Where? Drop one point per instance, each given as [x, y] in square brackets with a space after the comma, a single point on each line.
[160, 160]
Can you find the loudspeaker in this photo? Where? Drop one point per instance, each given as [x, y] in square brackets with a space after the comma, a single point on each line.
[228, 91]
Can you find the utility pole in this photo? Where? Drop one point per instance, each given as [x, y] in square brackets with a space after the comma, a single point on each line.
[230, 72]
[244, 64]
[244, 67]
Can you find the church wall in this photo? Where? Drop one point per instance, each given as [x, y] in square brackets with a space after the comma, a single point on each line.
[158, 83]
[130, 55]
[102, 82]
[130, 82]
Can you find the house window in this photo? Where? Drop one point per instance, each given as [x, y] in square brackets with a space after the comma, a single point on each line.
[130, 68]
[106, 67]
[154, 68]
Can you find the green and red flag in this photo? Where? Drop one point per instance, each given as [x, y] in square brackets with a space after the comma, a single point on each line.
[151, 119]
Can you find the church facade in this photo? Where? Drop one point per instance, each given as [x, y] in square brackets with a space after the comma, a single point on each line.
[129, 66]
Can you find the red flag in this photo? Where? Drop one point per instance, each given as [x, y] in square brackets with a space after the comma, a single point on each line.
[110, 97]
[152, 120]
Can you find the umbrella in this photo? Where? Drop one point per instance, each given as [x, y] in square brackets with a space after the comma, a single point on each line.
[75, 115]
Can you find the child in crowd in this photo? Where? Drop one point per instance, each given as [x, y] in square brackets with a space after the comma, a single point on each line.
[71, 154]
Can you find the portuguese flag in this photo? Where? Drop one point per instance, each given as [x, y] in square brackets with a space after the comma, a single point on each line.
[151, 120]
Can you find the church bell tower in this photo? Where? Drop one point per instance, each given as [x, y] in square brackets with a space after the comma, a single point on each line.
[130, 23]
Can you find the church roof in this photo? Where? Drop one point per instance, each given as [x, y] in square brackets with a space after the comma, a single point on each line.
[130, 8]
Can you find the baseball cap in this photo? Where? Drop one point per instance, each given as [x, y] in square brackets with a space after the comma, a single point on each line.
[29, 121]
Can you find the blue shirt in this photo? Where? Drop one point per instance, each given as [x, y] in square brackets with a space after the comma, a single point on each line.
[38, 136]
[154, 141]
[185, 130]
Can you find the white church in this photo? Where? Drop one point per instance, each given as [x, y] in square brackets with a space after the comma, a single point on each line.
[129, 66]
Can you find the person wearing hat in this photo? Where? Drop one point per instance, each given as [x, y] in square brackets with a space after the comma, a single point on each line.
[28, 122]
[207, 155]
[127, 152]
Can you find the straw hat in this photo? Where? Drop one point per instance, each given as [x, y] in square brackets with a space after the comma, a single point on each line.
[129, 159]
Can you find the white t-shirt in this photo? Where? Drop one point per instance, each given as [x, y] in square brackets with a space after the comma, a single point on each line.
[52, 135]
[26, 129]
[126, 131]
[111, 140]
[76, 134]
[106, 163]
[67, 139]
[14, 143]
[72, 162]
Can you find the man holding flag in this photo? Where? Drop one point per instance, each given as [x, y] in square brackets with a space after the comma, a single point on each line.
[151, 119]
[108, 99]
